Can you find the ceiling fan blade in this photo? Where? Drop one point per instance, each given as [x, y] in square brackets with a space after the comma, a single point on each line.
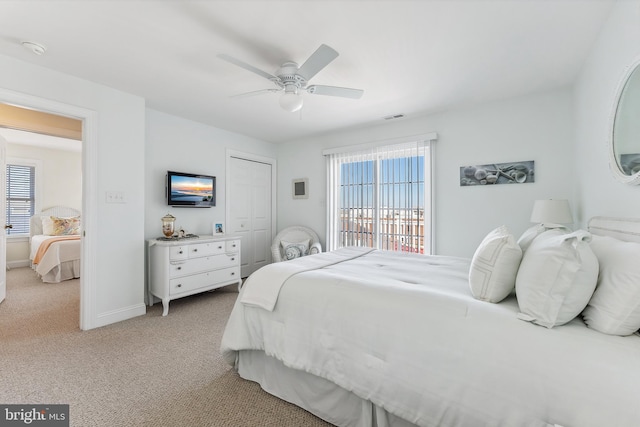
[255, 92]
[344, 92]
[247, 67]
[317, 61]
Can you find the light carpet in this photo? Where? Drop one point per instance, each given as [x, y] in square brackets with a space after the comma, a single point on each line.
[146, 371]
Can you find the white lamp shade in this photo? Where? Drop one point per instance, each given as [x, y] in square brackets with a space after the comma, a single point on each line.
[291, 101]
[551, 212]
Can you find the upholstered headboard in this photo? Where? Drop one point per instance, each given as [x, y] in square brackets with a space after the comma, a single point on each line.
[625, 229]
[35, 222]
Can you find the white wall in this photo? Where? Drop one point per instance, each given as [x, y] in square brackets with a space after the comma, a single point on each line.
[117, 276]
[597, 191]
[60, 184]
[537, 127]
[183, 145]
[61, 174]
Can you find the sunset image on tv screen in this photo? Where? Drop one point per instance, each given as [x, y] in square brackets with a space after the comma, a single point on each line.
[191, 189]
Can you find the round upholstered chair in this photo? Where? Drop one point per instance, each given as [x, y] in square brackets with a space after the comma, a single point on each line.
[294, 242]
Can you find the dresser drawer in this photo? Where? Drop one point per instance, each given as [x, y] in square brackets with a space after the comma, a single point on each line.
[233, 246]
[189, 283]
[227, 274]
[197, 265]
[178, 253]
[205, 249]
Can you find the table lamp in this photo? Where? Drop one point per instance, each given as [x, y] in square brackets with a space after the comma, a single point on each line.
[551, 213]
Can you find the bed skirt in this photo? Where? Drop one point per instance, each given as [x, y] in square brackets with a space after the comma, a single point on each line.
[317, 395]
[64, 271]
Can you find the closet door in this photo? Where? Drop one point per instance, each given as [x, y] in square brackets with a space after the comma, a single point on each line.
[249, 198]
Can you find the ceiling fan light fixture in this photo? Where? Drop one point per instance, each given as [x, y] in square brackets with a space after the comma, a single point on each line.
[291, 101]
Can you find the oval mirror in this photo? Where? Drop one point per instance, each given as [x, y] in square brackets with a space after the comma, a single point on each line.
[625, 129]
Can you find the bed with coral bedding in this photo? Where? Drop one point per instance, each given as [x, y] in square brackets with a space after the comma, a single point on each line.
[365, 337]
[55, 244]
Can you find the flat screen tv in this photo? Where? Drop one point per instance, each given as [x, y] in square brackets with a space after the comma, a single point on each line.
[188, 189]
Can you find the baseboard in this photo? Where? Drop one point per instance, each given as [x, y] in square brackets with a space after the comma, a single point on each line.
[18, 264]
[104, 319]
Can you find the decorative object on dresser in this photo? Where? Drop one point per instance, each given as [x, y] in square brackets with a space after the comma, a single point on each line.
[54, 244]
[218, 229]
[185, 266]
[294, 242]
[168, 225]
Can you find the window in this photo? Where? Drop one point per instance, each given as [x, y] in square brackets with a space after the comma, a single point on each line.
[21, 197]
[380, 197]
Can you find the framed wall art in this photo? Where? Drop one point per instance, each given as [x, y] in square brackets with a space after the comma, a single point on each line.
[498, 173]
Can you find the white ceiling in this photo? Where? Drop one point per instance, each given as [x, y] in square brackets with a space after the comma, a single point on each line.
[21, 137]
[409, 57]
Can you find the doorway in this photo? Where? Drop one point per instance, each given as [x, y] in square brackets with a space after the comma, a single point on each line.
[87, 315]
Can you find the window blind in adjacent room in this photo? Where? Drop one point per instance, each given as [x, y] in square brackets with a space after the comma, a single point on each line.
[20, 197]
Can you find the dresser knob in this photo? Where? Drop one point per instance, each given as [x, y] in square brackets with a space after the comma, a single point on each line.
[179, 252]
[233, 274]
[179, 285]
[195, 250]
[179, 268]
[233, 259]
[219, 247]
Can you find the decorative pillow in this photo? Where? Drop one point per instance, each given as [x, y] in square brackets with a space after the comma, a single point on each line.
[291, 250]
[556, 279]
[615, 306]
[54, 226]
[316, 248]
[494, 266]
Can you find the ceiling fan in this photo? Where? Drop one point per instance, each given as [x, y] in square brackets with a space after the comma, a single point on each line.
[292, 79]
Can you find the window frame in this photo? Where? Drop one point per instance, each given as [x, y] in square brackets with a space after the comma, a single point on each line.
[371, 152]
[37, 165]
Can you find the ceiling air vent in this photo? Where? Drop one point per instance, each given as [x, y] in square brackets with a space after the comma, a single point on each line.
[395, 116]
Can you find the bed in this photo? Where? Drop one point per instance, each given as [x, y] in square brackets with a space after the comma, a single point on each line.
[374, 338]
[55, 244]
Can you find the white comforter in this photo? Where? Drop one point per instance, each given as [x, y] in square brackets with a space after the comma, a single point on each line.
[403, 331]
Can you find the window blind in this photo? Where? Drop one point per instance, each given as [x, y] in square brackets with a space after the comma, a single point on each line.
[20, 197]
[380, 197]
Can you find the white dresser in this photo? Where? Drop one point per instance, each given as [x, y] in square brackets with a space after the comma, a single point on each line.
[178, 268]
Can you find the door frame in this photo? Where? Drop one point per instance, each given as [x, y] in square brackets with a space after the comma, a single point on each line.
[88, 276]
[274, 175]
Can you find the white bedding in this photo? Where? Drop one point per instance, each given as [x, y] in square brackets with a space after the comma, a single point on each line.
[60, 262]
[403, 331]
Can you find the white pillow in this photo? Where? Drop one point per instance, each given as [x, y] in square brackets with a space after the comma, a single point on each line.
[494, 266]
[532, 232]
[615, 306]
[556, 279]
[291, 250]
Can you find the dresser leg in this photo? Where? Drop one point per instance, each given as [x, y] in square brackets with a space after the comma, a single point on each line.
[165, 306]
